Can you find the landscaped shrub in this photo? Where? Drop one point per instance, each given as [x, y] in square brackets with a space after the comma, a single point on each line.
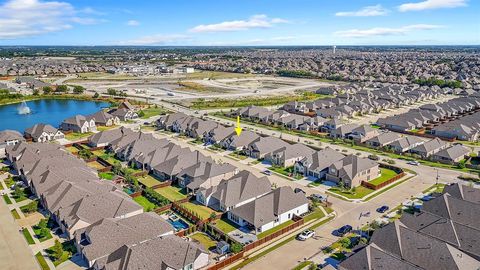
[154, 197]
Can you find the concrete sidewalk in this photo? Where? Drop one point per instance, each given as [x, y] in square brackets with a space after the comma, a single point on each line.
[14, 251]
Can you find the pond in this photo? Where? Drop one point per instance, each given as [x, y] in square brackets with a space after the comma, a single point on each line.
[49, 111]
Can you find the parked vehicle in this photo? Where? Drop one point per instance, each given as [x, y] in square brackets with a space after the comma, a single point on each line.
[343, 230]
[267, 172]
[318, 197]
[305, 235]
[413, 162]
[383, 209]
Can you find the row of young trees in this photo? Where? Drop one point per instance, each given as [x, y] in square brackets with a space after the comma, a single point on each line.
[46, 90]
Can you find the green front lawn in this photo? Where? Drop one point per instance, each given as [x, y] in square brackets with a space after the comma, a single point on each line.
[41, 260]
[207, 242]
[286, 171]
[145, 203]
[148, 180]
[386, 174]
[274, 229]
[77, 136]
[225, 225]
[238, 156]
[358, 193]
[39, 236]
[316, 214]
[68, 250]
[103, 128]
[28, 236]
[172, 193]
[202, 211]
[96, 165]
[7, 199]
[438, 188]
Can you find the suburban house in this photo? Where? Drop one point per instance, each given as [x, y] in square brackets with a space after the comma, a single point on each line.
[452, 154]
[316, 165]
[289, 154]
[8, 138]
[103, 118]
[363, 133]
[79, 124]
[92, 243]
[43, 133]
[265, 145]
[238, 190]
[166, 252]
[352, 170]
[342, 131]
[405, 143]
[236, 142]
[204, 175]
[104, 138]
[218, 134]
[443, 235]
[383, 139]
[429, 148]
[270, 210]
[125, 111]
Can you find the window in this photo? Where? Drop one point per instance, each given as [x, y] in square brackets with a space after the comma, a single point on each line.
[289, 216]
[188, 267]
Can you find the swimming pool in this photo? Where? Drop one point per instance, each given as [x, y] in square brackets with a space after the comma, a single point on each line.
[178, 224]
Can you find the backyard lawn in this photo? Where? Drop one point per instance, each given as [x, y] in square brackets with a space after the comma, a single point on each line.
[110, 158]
[106, 175]
[274, 229]
[172, 193]
[103, 128]
[386, 174]
[148, 180]
[225, 225]
[145, 203]
[72, 149]
[96, 165]
[77, 136]
[202, 211]
[28, 236]
[204, 239]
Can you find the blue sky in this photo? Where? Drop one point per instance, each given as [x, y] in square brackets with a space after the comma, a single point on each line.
[240, 22]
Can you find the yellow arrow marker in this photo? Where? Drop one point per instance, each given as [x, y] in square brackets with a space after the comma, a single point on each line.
[238, 129]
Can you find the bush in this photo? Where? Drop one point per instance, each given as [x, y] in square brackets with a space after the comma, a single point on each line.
[30, 208]
[373, 157]
[236, 247]
[154, 197]
[96, 95]
[78, 89]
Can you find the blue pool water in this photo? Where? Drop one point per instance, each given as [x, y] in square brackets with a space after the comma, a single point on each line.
[49, 111]
[179, 224]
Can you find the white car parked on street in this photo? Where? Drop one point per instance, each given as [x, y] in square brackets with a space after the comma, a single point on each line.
[305, 235]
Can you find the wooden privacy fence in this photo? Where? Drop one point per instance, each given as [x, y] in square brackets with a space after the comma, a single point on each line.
[276, 234]
[381, 185]
[229, 260]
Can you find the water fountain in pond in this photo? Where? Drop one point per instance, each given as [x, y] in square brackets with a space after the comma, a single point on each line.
[23, 108]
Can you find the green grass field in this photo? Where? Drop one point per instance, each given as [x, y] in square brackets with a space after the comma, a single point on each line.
[77, 136]
[7, 199]
[15, 214]
[202, 211]
[359, 193]
[172, 193]
[274, 229]
[148, 180]
[146, 204]
[386, 174]
[28, 236]
[207, 242]
[42, 262]
[225, 225]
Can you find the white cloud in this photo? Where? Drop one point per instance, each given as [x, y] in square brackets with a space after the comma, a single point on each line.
[133, 23]
[432, 4]
[369, 11]
[158, 39]
[25, 18]
[256, 21]
[384, 31]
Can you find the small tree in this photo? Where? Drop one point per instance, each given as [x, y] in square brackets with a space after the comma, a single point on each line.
[78, 89]
[141, 114]
[345, 242]
[62, 89]
[57, 250]
[35, 92]
[236, 247]
[96, 95]
[47, 90]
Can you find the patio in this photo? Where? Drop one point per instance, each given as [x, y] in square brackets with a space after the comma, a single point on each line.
[243, 235]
